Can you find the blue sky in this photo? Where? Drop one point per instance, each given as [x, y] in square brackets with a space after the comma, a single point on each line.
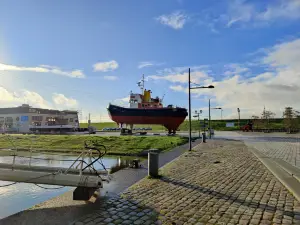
[83, 55]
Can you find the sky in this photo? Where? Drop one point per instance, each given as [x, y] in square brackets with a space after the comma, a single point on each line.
[83, 55]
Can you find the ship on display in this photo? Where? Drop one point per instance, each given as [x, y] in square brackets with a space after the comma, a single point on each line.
[147, 110]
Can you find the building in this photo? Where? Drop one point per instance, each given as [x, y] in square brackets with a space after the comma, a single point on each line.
[26, 119]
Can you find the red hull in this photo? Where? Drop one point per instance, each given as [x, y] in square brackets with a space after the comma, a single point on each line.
[171, 123]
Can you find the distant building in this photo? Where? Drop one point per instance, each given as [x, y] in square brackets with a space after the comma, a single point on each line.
[26, 119]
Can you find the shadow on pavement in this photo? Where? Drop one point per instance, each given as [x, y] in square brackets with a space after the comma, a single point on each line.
[230, 198]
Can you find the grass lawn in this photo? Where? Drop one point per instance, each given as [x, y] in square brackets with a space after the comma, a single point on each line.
[100, 126]
[215, 124]
[124, 145]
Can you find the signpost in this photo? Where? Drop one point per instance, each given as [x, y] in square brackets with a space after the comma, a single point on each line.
[229, 124]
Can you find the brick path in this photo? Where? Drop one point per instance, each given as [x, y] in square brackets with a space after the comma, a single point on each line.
[220, 182]
[287, 151]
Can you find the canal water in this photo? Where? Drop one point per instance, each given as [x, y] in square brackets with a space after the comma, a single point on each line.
[21, 196]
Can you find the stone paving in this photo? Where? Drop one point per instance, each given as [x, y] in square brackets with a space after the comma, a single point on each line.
[220, 182]
[287, 151]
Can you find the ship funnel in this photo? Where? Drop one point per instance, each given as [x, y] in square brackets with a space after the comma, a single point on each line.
[147, 96]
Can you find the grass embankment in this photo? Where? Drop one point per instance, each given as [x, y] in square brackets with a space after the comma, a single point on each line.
[215, 124]
[100, 126]
[129, 145]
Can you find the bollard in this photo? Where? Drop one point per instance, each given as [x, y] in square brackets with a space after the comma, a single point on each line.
[153, 163]
[203, 137]
[135, 163]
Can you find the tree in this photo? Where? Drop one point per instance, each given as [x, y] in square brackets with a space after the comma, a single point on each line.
[256, 121]
[290, 118]
[266, 116]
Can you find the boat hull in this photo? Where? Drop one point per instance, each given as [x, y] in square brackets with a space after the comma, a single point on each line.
[171, 118]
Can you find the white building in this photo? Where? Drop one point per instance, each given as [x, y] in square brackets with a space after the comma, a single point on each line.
[26, 119]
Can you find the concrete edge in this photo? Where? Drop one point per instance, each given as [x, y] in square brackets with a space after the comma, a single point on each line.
[291, 183]
[292, 170]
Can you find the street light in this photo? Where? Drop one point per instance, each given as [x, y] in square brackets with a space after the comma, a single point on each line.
[209, 124]
[198, 115]
[221, 111]
[238, 109]
[190, 119]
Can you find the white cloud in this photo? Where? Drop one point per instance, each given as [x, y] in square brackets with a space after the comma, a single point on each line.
[196, 77]
[275, 88]
[126, 99]
[180, 74]
[43, 69]
[241, 12]
[122, 101]
[177, 88]
[261, 77]
[176, 20]
[106, 66]
[61, 101]
[110, 77]
[244, 14]
[12, 99]
[285, 9]
[235, 69]
[145, 64]
[148, 64]
[285, 55]
[17, 98]
[238, 11]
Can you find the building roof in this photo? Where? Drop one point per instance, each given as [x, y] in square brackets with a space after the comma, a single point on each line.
[27, 109]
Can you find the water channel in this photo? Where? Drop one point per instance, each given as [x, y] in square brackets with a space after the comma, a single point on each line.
[21, 196]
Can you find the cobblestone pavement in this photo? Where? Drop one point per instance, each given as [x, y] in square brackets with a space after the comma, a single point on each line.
[287, 151]
[220, 182]
[275, 145]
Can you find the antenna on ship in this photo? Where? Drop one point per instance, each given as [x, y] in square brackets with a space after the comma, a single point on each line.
[163, 98]
[141, 84]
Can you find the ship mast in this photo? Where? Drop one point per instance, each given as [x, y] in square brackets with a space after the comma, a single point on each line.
[141, 84]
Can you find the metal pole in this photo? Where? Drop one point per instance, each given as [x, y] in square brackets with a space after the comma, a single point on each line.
[190, 121]
[239, 118]
[199, 125]
[209, 119]
[221, 114]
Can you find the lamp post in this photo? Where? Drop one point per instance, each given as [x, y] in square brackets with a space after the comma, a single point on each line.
[209, 128]
[238, 109]
[190, 119]
[210, 119]
[198, 115]
[221, 114]
[220, 109]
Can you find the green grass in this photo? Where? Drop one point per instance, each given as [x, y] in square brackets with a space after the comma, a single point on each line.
[100, 126]
[215, 124]
[124, 145]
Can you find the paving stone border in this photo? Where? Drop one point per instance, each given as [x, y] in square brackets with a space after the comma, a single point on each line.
[220, 182]
[287, 151]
